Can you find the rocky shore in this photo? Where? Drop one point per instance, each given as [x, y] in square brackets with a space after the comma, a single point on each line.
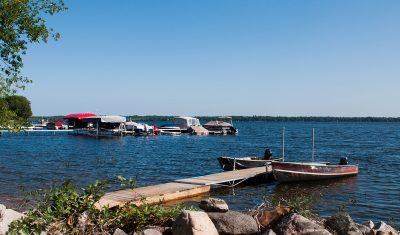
[214, 217]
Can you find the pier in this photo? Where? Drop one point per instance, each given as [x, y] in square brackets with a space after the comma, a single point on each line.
[180, 189]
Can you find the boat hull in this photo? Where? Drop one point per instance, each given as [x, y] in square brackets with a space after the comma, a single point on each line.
[294, 172]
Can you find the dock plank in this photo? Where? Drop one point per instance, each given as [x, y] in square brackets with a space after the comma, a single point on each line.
[152, 194]
[224, 177]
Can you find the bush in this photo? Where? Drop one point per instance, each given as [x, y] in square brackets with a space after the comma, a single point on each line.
[69, 210]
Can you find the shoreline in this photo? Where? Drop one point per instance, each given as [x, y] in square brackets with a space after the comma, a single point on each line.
[215, 217]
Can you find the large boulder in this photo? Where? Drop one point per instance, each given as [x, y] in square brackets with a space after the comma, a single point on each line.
[267, 218]
[213, 205]
[382, 228]
[6, 217]
[233, 222]
[193, 223]
[296, 224]
[342, 224]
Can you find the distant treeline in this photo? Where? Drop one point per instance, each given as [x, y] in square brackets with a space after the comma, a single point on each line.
[155, 118]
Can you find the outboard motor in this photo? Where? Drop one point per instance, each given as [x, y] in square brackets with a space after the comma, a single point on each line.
[267, 154]
[343, 161]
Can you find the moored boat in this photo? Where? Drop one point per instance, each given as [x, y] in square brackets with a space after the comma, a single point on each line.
[75, 120]
[297, 171]
[230, 163]
[188, 125]
[221, 126]
[106, 125]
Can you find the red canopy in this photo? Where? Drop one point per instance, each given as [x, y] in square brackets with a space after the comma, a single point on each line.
[79, 116]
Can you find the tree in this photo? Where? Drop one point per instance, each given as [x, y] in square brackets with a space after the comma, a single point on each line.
[8, 119]
[20, 105]
[21, 23]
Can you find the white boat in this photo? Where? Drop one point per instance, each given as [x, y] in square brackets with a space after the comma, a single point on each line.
[183, 124]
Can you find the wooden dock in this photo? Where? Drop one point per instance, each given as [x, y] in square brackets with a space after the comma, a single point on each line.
[231, 178]
[179, 189]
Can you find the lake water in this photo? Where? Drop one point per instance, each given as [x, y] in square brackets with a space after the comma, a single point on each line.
[30, 162]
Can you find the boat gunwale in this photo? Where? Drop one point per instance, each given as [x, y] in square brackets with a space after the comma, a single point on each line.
[322, 164]
[315, 173]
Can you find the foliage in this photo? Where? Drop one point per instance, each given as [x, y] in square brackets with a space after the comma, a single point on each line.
[299, 203]
[20, 105]
[126, 183]
[21, 23]
[8, 118]
[68, 210]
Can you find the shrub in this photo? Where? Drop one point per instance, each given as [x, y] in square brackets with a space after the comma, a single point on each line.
[70, 210]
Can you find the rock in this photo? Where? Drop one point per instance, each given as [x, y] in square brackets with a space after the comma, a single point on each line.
[6, 217]
[364, 229]
[83, 222]
[150, 231]
[267, 218]
[193, 223]
[233, 222]
[296, 224]
[83, 219]
[119, 231]
[370, 224]
[382, 228]
[269, 232]
[342, 224]
[213, 205]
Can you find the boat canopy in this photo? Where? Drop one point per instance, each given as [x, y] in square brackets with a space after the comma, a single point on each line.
[106, 119]
[186, 122]
[79, 116]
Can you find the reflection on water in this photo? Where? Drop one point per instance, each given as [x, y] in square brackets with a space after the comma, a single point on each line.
[324, 193]
[332, 186]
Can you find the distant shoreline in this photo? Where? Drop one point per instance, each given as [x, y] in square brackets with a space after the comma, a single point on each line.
[156, 118]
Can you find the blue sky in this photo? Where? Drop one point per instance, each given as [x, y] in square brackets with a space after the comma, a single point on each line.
[219, 57]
